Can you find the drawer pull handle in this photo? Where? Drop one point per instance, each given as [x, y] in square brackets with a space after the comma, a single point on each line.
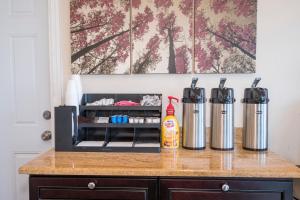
[91, 185]
[225, 187]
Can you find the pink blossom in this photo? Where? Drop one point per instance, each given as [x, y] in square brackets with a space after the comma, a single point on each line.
[117, 21]
[123, 44]
[201, 24]
[153, 47]
[166, 25]
[153, 43]
[140, 24]
[245, 8]
[136, 3]
[163, 3]
[244, 36]
[182, 59]
[204, 60]
[219, 6]
[150, 57]
[186, 7]
[107, 3]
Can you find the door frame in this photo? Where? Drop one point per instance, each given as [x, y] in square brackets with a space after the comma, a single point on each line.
[56, 68]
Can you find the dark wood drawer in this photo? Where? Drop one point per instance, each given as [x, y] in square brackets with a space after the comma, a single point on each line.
[197, 195]
[189, 189]
[118, 188]
[99, 193]
[104, 188]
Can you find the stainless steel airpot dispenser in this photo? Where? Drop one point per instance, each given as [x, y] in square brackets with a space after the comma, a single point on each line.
[222, 117]
[194, 129]
[255, 131]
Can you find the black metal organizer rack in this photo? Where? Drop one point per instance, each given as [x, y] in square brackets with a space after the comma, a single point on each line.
[74, 134]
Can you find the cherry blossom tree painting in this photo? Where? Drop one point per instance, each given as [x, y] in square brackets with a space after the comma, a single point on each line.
[167, 43]
[100, 36]
[163, 36]
[225, 36]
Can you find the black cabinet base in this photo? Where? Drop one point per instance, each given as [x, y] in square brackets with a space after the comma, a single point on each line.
[92, 188]
[152, 188]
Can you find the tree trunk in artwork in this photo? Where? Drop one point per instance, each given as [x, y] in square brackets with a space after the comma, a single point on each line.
[141, 68]
[91, 71]
[87, 49]
[171, 67]
[233, 44]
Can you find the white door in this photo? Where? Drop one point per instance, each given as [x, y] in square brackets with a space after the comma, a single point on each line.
[24, 90]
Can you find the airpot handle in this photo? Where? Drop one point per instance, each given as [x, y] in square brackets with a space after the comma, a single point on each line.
[194, 82]
[222, 83]
[255, 82]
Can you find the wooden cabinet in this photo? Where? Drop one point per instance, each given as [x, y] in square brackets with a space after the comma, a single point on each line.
[88, 188]
[118, 188]
[197, 189]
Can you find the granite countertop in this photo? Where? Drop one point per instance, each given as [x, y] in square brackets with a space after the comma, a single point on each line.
[180, 162]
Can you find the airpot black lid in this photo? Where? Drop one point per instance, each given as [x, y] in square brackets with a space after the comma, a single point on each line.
[194, 94]
[222, 94]
[256, 95]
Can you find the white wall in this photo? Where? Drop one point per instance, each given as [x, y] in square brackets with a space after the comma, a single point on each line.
[278, 64]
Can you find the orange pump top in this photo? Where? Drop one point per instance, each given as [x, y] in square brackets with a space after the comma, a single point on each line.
[170, 108]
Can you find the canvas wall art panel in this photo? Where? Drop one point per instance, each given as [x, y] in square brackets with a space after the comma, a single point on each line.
[225, 36]
[162, 36]
[100, 36]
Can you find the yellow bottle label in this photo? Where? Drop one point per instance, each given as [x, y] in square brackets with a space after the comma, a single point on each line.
[170, 133]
